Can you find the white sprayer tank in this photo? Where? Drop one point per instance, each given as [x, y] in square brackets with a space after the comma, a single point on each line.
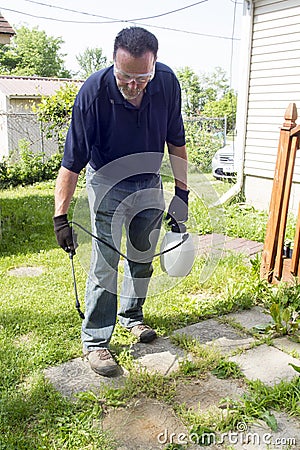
[179, 261]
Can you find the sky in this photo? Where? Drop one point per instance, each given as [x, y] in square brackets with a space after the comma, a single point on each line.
[202, 35]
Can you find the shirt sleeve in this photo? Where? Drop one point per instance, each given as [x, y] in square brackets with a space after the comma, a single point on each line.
[175, 133]
[77, 151]
[81, 136]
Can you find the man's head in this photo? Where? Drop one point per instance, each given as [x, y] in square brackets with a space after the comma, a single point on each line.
[135, 52]
[136, 41]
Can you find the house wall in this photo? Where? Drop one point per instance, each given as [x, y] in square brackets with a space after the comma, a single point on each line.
[3, 126]
[274, 83]
[4, 38]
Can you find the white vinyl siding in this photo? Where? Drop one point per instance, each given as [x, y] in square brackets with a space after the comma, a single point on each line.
[274, 83]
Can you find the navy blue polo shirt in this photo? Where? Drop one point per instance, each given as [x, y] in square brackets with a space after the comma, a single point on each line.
[105, 126]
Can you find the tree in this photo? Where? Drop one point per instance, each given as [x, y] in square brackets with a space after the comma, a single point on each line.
[198, 90]
[201, 144]
[215, 84]
[90, 61]
[226, 106]
[190, 87]
[207, 95]
[7, 60]
[32, 52]
[54, 113]
[206, 100]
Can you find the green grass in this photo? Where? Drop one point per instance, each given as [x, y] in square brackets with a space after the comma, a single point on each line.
[40, 327]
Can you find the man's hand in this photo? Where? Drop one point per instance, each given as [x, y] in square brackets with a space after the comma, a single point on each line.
[64, 233]
[178, 210]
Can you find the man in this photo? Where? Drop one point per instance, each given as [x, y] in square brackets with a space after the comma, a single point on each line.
[122, 118]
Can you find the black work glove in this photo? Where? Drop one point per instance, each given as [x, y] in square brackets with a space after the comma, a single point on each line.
[64, 233]
[178, 210]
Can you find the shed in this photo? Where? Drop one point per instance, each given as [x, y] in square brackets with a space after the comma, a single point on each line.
[6, 31]
[269, 81]
[17, 120]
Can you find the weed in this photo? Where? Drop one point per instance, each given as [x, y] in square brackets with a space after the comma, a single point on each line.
[202, 435]
[260, 400]
[140, 382]
[227, 369]
[205, 358]
[175, 447]
[115, 397]
[37, 417]
[297, 368]
[190, 368]
[284, 307]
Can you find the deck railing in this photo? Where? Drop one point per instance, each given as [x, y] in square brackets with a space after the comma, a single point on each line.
[276, 264]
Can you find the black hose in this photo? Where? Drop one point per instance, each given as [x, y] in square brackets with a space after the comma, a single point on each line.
[72, 253]
[184, 238]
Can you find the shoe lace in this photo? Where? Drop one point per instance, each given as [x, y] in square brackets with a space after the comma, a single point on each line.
[143, 327]
[103, 353]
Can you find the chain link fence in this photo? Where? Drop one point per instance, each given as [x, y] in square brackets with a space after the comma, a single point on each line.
[24, 126]
[217, 126]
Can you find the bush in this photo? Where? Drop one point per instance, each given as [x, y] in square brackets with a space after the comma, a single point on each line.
[30, 168]
[201, 145]
[54, 113]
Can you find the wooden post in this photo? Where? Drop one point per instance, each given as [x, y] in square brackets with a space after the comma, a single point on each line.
[285, 205]
[273, 245]
[295, 267]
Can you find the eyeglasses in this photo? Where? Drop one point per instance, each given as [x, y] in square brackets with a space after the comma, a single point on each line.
[127, 78]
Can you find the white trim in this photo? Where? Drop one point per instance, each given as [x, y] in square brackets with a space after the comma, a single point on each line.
[242, 103]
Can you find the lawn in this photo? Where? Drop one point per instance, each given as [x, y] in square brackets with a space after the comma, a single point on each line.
[40, 327]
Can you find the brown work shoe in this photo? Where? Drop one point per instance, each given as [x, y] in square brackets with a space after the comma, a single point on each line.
[102, 362]
[143, 333]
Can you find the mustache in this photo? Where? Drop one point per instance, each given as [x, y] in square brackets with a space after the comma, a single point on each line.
[129, 94]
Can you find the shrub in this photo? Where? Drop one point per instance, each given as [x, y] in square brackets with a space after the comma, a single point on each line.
[54, 113]
[201, 145]
[30, 168]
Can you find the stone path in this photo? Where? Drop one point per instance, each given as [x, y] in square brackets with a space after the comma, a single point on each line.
[147, 424]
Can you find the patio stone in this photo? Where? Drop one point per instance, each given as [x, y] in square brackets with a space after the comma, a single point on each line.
[26, 271]
[213, 332]
[144, 424]
[160, 356]
[266, 363]
[260, 437]
[208, 331]
[76, 376]
[202, 394]
[288, 346]
[251, 318]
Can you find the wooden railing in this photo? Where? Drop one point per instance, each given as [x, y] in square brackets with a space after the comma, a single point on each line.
[276, 266]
